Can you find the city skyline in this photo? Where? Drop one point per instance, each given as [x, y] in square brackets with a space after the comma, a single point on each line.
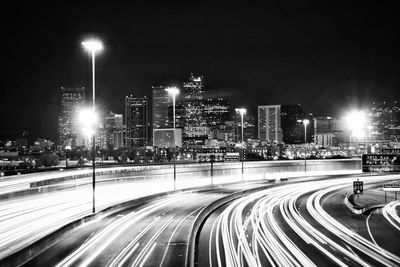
[325, 57]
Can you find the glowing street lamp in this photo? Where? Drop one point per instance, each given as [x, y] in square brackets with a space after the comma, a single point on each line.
[305, 123]
[67, 149]
[93, 46]
[357, 122]
[173, 91]
[241, 111]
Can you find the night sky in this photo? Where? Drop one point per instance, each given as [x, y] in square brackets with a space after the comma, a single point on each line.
[326, 57]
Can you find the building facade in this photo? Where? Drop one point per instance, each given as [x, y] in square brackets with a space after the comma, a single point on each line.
[269, 124]
[292, 126]
[216, 112]
[385, 121]
[167, 137]
[136, 121]
[195, 130]
[113, 126]
[329, 131]
[72, 101]
[249, 127]
[161, 102]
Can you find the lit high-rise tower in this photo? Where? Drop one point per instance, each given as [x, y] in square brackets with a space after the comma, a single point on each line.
[161, 101]
[195, 125]
[269, 123]
[136, 120]
[72, 100]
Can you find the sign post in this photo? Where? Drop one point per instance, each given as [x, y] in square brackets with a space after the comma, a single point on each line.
[391, 187]
[212, 159]
[358, 187]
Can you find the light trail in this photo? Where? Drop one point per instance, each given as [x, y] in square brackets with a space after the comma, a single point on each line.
[102, 240]
[249, 228]
[391, 215]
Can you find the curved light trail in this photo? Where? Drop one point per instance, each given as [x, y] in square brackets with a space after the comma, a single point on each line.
[288, 226]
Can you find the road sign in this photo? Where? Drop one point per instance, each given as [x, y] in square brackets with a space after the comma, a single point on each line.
[390, 150]
[379, 162]
[391, 187]
[358, 187]
[232, 156]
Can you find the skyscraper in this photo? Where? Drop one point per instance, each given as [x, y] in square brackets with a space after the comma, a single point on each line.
[72, 100]
[161, 101]
[195, 126]
[269, 123]
[113, 127]
[216, 112]
[194, 88]
[385, 121]
[329, 132]
[136, 120]
[292, 129]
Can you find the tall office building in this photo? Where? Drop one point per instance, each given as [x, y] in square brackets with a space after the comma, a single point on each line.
[195, 126]
[216, 112]
[385, 120]
[194, 88]
[161, 101]
[292, 129]
[269, 123]
[136, 120]
[329, 132]
[72, 100]
[113, 126]
[249, 127]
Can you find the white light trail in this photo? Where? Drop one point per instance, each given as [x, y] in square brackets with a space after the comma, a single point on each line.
[242, 238]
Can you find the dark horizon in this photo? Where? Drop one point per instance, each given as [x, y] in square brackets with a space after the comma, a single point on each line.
[325, 56]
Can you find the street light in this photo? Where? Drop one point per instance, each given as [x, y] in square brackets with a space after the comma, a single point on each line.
[93, 46]
[357, 122]
[242, 111]
[173, 91]
[305, 123]
[67, 149]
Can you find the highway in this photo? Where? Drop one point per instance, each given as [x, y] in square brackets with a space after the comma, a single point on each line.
[30, 217]
[155, 233]
[301, 224]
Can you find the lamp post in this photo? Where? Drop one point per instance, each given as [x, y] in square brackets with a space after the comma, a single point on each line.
[67, 149]
[173, 91]
[305, 122]
[93, 46]
[357, 123]
[241, 111]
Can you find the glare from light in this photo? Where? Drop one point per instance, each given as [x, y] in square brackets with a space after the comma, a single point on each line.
[88, 117]
[88, 131]
[92, 45]
[357, 121]
[174, 91]
[240, 111]
[306, 122]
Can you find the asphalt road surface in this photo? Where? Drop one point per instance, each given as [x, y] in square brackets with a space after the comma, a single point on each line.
[304, 224]
[153, 234]
[294, 223]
